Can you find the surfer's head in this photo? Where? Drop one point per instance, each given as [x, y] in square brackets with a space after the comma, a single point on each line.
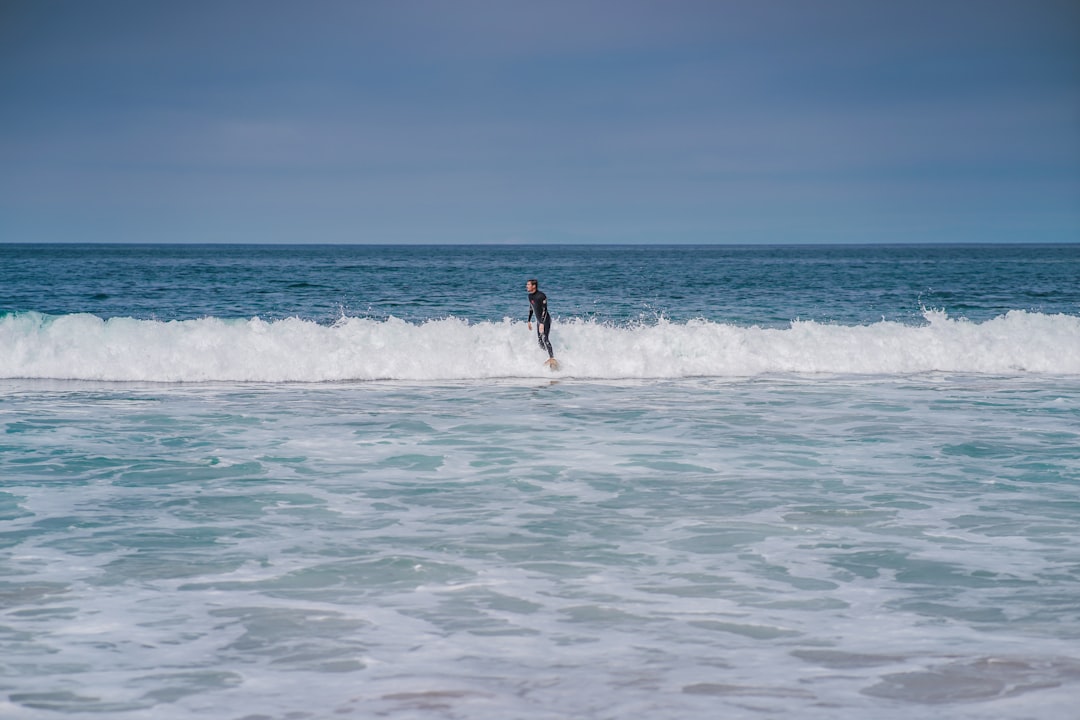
[531, 285]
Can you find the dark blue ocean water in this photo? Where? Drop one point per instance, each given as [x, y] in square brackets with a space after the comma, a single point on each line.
[767, 286]
[832, 483]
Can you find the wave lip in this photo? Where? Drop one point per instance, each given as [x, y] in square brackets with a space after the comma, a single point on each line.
[85, 347]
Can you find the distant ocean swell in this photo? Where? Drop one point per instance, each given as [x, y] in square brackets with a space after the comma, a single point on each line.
[85, 347]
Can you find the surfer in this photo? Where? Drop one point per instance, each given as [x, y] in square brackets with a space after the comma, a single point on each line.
[538, 307]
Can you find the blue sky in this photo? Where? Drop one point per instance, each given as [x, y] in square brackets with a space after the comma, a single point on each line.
[768, 121]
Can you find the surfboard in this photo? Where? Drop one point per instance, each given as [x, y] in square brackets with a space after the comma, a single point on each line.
[552, 364]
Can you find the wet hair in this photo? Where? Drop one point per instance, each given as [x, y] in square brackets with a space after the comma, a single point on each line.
[532, 281]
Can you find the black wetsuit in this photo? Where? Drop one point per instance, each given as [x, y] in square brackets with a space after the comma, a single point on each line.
[538, 307]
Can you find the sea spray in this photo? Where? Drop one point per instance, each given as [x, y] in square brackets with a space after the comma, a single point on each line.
[86, 347]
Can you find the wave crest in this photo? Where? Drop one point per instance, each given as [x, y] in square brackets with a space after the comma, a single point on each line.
[85, 347]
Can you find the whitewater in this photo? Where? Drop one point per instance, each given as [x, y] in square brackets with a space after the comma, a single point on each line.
[85, 347]
[287, 482]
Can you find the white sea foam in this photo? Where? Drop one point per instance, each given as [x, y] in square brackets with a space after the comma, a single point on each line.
[85, 347]
[864, 547]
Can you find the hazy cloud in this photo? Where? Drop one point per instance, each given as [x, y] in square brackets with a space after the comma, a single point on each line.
[569, 121]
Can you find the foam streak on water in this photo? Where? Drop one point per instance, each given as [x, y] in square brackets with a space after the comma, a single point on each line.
[841, 547]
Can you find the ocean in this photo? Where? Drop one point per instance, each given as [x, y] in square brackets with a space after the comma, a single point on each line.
[290, 482]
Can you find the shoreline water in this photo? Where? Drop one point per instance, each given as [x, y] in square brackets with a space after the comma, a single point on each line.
[829, 549]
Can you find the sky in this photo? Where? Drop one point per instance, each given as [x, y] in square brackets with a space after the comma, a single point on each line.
[469, 121]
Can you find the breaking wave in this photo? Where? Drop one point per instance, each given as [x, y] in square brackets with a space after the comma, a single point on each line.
[86, 347]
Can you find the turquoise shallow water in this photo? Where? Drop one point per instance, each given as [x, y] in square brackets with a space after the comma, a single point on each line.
[837, 548]
[825, 544]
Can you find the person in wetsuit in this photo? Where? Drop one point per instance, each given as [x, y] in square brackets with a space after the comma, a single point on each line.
[538, 307]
